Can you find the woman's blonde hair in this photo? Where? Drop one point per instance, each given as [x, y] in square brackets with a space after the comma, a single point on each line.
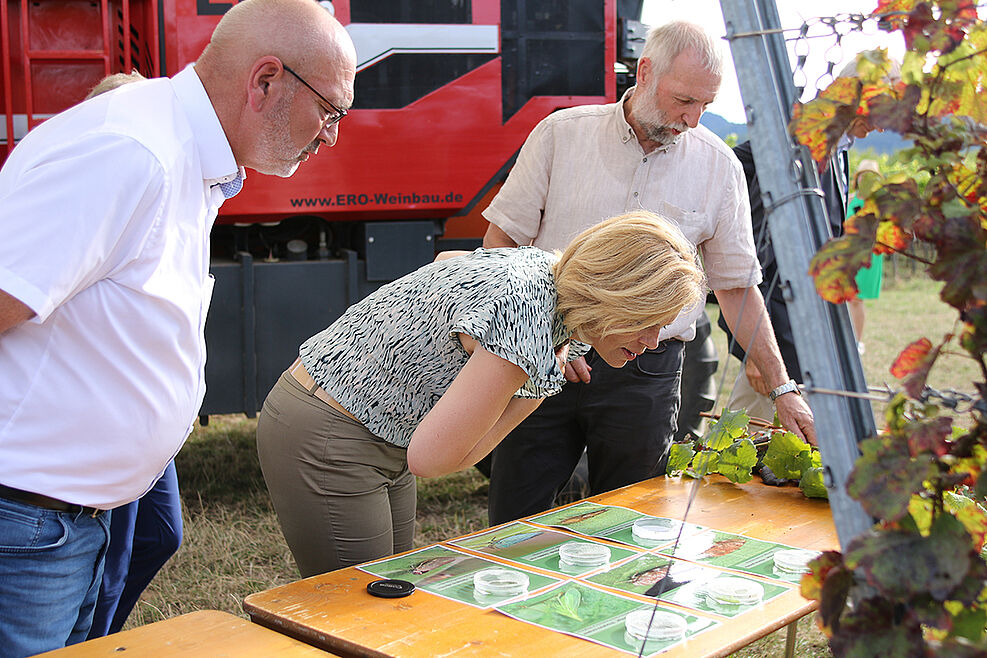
[627, 274]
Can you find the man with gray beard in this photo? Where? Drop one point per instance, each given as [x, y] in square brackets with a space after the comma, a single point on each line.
[581, 165]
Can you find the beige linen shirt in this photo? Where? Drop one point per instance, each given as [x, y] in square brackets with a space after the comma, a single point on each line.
[584, 164]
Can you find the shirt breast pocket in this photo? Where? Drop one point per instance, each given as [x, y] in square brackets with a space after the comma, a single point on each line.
[694, 224]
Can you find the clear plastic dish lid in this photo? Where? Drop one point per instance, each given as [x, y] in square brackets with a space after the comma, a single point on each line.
[654, 529]
[584, 554]
[794, 560]
[500, 582]
[650, 625]
[734, 591]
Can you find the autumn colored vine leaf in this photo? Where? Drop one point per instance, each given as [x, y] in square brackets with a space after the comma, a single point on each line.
[822, 122]
[930, 436]
[886, 476]
[935, 564]
[836, 264]
[912, 358]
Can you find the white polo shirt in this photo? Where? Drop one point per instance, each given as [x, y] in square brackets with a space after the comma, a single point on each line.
[584, 164]
[105, 213]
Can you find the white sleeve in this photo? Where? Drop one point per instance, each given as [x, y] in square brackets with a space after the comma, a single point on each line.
[72, 214]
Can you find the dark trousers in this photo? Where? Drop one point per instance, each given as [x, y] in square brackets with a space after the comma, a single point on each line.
[144, 534]
[624, 418]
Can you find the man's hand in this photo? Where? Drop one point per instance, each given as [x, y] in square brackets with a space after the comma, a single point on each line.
[12, 312]
[796, 416]
[577, 370]
[755, 379]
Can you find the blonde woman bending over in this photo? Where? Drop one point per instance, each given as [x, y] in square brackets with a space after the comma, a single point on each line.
[426, 375]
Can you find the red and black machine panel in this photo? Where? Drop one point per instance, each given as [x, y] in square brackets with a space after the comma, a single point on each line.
[446, 93]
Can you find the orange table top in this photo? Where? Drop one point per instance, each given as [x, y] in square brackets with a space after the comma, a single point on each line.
[333, 610]
[206, 633]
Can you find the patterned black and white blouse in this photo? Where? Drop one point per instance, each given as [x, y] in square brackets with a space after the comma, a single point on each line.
[389, 357]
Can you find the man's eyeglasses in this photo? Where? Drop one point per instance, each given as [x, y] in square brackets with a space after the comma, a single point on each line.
[332, 118]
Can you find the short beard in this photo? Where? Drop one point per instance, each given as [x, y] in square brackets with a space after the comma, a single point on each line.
[275, 140]
[653, 121]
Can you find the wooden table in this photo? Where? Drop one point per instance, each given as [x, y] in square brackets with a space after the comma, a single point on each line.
[333, 610]
[206, 633]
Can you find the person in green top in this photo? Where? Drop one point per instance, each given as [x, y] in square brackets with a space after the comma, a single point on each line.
[869, 278]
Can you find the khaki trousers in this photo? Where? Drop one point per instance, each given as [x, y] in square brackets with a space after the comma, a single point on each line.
[342, 495]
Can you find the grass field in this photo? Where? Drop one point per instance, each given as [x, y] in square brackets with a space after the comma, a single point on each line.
[233, 546]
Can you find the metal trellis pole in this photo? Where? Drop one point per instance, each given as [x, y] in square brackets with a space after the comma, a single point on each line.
[798, 225]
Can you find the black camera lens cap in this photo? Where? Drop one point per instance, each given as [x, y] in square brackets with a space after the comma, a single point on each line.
[390, 589]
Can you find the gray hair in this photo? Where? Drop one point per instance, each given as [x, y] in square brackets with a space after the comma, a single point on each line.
[666, 42]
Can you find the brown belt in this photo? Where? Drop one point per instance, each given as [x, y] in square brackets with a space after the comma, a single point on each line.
[300, 375]
[46, 502]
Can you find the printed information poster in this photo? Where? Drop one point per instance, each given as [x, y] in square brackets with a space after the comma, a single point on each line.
[690, 585]
[592, 614]
[448, 573]
[535, 547]
[617, 524]
[753, 556]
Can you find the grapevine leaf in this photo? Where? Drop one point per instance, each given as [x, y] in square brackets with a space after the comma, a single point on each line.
[679, 457]
[920, 512]
[973, 336]
[737, 461]
[822, 122]
[968, 623]
[870, 628]
[819, 571]
[936, 565]
[971, 514]
[885, 477]
[704, 463]
[930, 437]
[783, 455]
[892, 13]
[810, 459]
[890, 238]
[981, 487]
[961, 260]
[912, 359]
[899, 203]
[832, 594]
[731, 426]
[813, 484]
[886, 112]
[836, 264]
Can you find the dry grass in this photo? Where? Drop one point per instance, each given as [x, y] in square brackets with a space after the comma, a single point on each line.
[233, 546]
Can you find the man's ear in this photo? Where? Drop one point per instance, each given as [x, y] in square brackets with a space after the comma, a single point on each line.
[266, 75]
[643, 71]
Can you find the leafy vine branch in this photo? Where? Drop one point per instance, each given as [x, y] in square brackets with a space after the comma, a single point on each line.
[916, 583]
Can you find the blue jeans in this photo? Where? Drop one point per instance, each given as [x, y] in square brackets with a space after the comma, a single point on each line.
[144, 534]
[51, 564]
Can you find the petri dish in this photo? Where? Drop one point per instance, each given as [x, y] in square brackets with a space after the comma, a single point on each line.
[584, 554]
[794, 561]
[499, 582]
[652, 529]
[642, 626]
[735, 591]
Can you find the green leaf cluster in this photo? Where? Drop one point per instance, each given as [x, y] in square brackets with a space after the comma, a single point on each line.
[728, 448]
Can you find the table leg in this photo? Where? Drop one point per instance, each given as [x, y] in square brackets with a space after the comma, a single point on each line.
[790, 639]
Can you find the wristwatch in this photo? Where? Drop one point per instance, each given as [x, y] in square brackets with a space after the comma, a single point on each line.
[788, 387]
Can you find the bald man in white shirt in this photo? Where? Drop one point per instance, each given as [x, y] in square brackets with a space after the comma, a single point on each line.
[105, 212]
